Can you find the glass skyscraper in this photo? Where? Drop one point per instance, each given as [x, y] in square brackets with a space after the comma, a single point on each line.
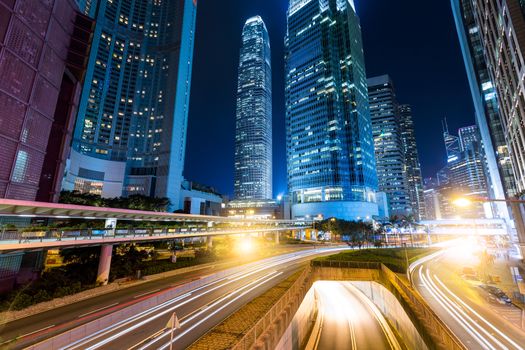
[330, 150]
[130, 133]
[253, 135]
[388, 141]
[484, 95]
[413, 166]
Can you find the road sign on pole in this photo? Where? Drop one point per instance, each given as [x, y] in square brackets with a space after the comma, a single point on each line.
[173, 324]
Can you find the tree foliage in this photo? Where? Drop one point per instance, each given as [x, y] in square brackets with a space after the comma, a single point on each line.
[136, 202]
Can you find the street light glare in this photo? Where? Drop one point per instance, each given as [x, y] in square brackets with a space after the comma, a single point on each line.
[462, 202]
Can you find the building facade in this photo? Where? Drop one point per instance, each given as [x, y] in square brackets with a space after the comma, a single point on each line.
[413, 166]
[130, 134]
[389, 146]
[253, 134]
[499, 170]
[43, 48]
[330, 150]
[492, 35]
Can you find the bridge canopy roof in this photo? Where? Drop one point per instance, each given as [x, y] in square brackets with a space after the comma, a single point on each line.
[19, 208]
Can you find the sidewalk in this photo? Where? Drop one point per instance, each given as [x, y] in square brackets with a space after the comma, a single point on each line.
[502, 269]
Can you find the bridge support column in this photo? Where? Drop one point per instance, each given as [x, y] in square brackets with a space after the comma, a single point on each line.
[209, 242]
[277, 237]
[104, 264]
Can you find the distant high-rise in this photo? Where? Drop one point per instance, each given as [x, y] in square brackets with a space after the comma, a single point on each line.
[330, 150]
[253, 136]
[388, 143]
[413, 166]
[130, 134]
[464, 175]
[43, 50]
[493, 45]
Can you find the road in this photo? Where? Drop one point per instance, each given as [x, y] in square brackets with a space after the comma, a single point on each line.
[198, 310]
[462, 304]
[347, 319]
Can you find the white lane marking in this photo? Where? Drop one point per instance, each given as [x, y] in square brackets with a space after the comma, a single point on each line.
[99, 309]
[478, 315]
[453, 310]
[33, 332]
[143, 294]
[218, 310]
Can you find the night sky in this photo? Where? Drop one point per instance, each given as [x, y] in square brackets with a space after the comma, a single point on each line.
[414, 41]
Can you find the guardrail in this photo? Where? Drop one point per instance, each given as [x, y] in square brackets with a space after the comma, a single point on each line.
[83, 234]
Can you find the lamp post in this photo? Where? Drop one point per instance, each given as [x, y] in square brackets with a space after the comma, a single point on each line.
[515, 205]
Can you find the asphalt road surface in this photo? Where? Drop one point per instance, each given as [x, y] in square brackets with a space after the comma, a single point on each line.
[347, 319]
[462, 305]
[198, 310]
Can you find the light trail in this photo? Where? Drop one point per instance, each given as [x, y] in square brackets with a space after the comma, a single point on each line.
[442, 300]
[133, 322]
[218, 310]
[137, 325]
[349, 318]
[459, 311]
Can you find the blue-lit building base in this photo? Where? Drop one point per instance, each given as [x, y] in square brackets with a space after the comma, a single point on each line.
[351, 211]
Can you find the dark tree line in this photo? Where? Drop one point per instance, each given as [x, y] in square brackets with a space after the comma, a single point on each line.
[136, 202]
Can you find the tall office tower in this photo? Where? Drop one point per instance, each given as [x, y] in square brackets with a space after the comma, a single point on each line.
[253, 135]
[500, 174]
[130, 134]
[413, 166]
[468, 173]
[452, 146]
[493, 44]
[388, 143]
[43, 49]
[330, 149]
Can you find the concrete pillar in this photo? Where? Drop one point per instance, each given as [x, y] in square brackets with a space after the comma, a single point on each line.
[277, 237]
[104, 264]
[209, 242]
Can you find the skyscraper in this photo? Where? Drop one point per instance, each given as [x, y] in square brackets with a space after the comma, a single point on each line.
[43, 49]
[388, 143]
[499, 170]
[253, 136]
[130, 134]
[330, 150]
[413, 166]
[493, 47]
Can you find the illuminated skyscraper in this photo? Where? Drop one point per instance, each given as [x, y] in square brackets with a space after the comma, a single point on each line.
[389, 147]
[493, 54]
[253, 136]
[330, 150]
[130, 134]
[413, 166]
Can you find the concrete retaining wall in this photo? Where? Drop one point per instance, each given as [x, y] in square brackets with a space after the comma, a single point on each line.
[297, 334]
[394, 313]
